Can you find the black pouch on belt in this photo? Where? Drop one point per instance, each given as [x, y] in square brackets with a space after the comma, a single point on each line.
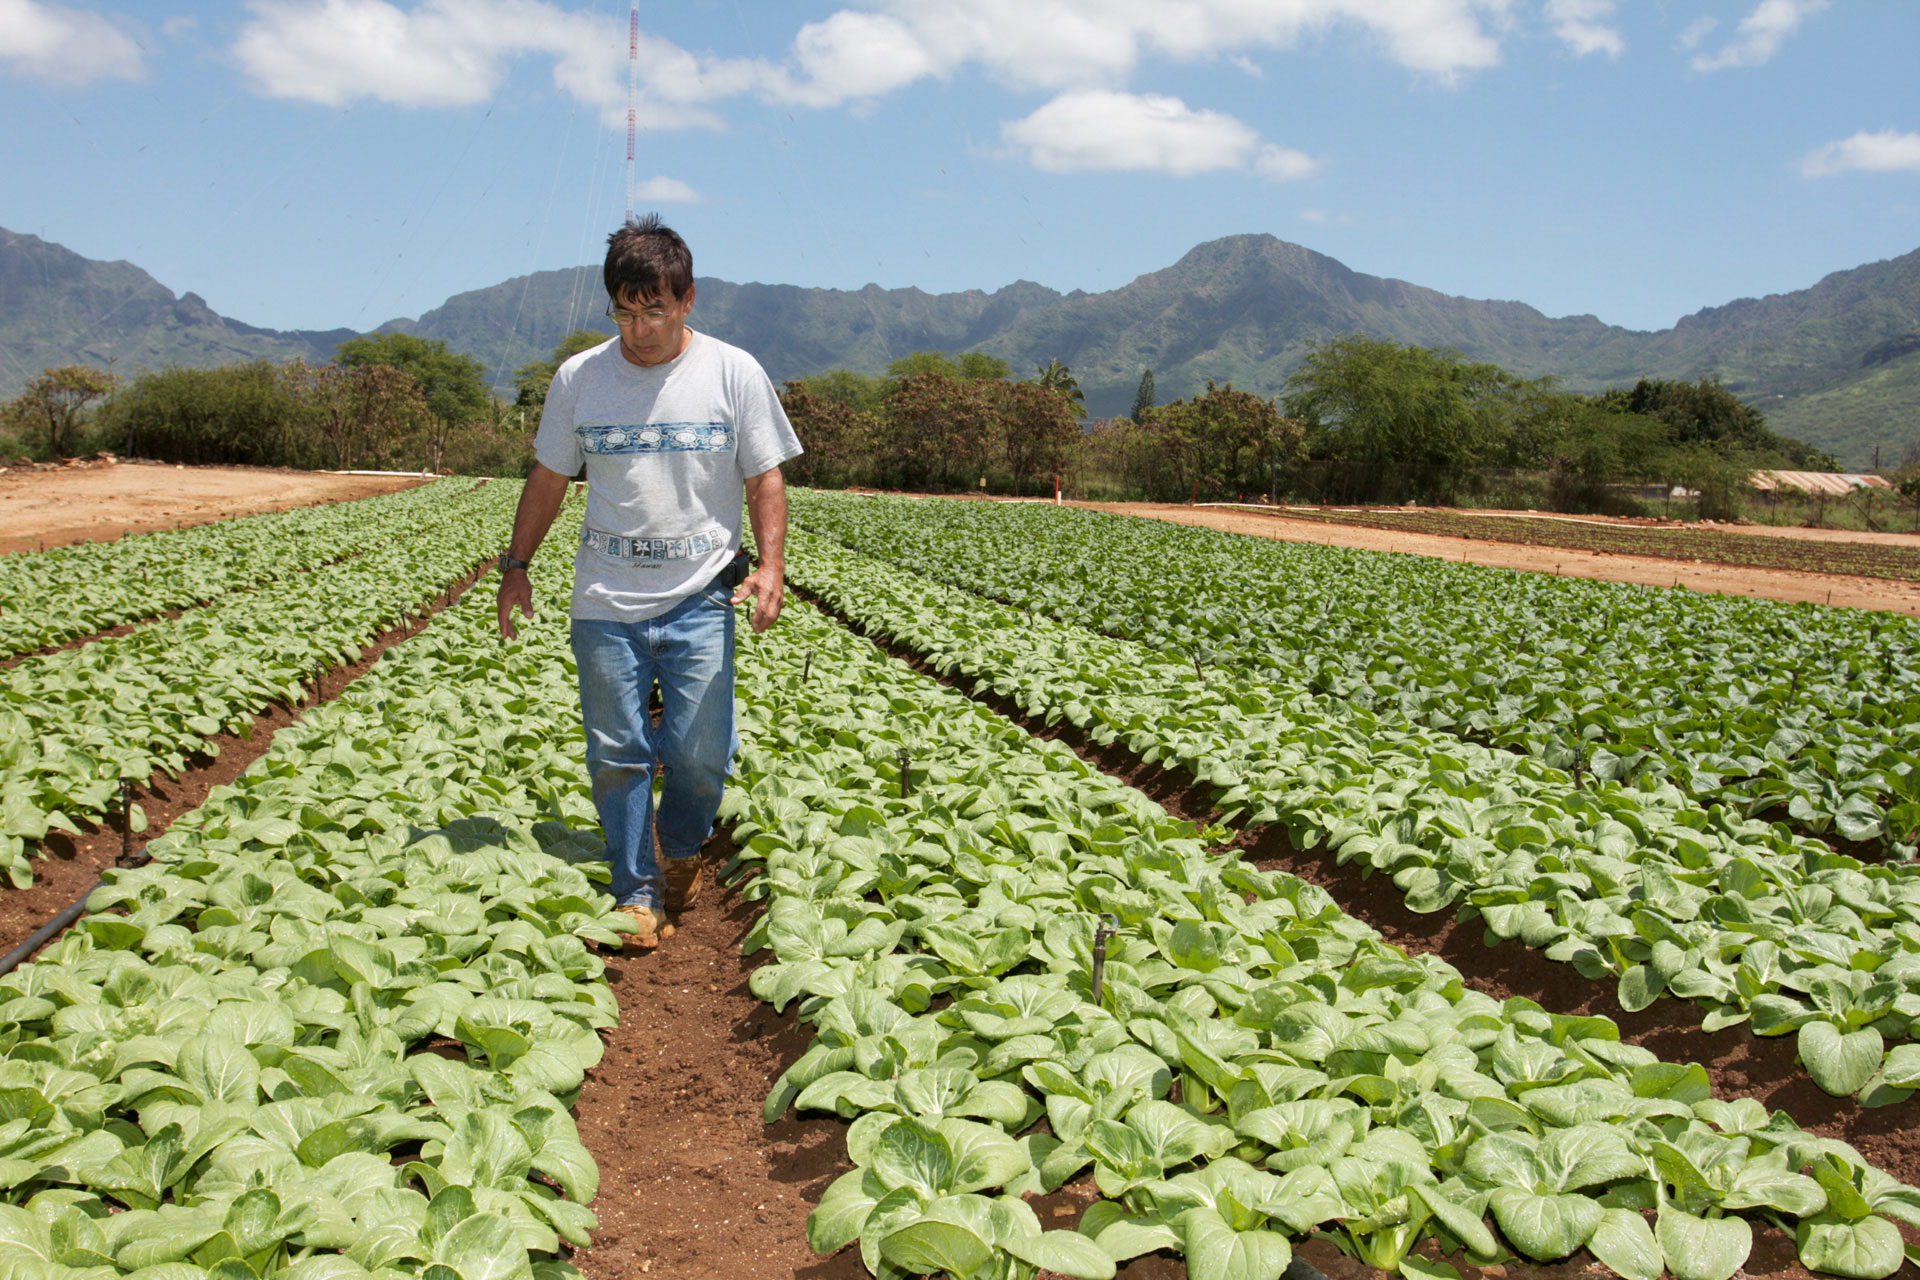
[736, 571]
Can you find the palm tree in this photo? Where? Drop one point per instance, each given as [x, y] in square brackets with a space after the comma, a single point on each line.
[1056, 377]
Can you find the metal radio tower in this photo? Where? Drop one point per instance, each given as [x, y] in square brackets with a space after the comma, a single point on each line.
[633, 59]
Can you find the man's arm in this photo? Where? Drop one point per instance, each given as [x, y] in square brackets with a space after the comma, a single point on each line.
[767, 504]
[539, 504]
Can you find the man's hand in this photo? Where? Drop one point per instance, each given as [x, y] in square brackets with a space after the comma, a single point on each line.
[516, 588]
[766, 587]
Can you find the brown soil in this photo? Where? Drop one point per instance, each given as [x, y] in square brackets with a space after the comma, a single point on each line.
[1835, 589]
[95, 501]
[694, 1185]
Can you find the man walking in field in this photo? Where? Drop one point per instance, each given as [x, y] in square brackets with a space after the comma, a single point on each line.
[673, 429]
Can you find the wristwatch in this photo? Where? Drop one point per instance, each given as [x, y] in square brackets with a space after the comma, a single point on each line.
[510, 562]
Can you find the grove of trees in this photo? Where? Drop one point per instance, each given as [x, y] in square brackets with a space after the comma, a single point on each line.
[1362, 419]
[935, 422]
[1389, 423]
[391, 402]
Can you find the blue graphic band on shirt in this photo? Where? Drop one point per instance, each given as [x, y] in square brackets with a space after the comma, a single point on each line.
[656, 437]
[652, 550]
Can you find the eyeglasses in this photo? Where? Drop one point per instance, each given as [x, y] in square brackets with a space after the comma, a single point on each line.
[652, 317]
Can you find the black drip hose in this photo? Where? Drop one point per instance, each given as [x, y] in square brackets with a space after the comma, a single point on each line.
[44, 934]
[71, 912]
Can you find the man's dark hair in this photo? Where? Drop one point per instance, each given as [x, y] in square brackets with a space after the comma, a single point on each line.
[647, 262]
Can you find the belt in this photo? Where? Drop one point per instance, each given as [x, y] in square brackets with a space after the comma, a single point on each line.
[651, 550]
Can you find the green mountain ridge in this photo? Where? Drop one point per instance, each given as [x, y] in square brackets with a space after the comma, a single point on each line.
[1836, 364]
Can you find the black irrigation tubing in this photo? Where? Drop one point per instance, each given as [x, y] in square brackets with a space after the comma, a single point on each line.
[71, 912]
[46, 932]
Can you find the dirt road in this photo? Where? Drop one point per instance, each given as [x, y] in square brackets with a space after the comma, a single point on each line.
[94, 502]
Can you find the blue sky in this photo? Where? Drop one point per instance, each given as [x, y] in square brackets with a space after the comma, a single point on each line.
[341, 163]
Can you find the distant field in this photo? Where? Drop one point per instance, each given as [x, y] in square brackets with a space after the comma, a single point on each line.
[1863, 559]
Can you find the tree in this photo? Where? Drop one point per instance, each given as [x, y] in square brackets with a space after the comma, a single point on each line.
[1705, 413]
[1224, 441]
[54, 403]
[1056, 377]
[939, 430]
[1412, 418]
[242, 414]
[1039, 429]
[978, 366]
[358, 409]
[917, 363]
[326, 392]
[452, 386]
[531, 381]
[1143, 398]
[971, 366]
[854, 390]
[388, 405]
[837, 436]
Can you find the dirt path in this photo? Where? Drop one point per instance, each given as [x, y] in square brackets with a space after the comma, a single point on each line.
[1773, 584]
[99, 501]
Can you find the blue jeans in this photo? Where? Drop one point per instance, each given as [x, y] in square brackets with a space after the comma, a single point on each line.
[688, 651]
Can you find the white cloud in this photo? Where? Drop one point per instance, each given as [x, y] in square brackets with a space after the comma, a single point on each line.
[852, 56]
[1284, 164]
[1585, 26]
[664, 190]
[1883, 152]
[1055, 45]
[449, 53]
[1099, 129]
[64, 46]
[1694, 32]
[1760, 34]
[1327, 217]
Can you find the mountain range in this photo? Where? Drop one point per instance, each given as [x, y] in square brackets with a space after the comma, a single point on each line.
[1836, 364]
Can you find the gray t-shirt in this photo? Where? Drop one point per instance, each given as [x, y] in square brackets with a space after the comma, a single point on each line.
[666, 450]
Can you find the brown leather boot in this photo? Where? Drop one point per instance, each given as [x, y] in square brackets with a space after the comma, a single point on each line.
[684, 879]
[647, 926]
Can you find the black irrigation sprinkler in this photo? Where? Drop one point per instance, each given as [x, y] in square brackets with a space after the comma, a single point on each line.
[906, 774]
[1101, 932]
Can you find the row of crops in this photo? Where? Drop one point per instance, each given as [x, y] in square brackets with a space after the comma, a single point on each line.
[76, 722]
[59, 594]
[336, 1028]
[1634, 882]
[1794, 712]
